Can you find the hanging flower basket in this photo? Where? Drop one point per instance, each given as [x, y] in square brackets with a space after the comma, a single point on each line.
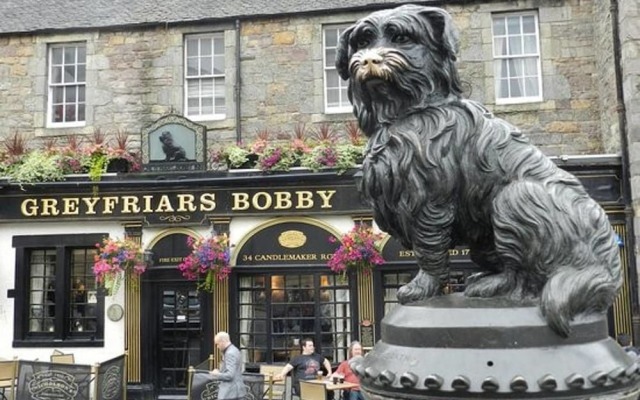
[208, 262]
[359, 251]
[117, 259]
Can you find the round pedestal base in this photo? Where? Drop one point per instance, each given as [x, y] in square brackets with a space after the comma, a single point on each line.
[453, 347]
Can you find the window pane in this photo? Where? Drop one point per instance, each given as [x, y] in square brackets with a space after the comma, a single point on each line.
[82, 55]
[333, 98]
[206, 47]
[70, 113]
[515, 45]
[531, 66]
[206, 88]
[57, 113]
[193, 106]
[332, 79]
[528, 24]
[530, 44]
[81, 112]
[56, 55]
[192, 47]
[331, 37]
[206, 65]
[69, 55]
[81, 73]
[218, 65]
[515, 67]
[500, 48]
[330, 58]
[503, 88]
[192, 66]
[516, 87]
[70, 94]
[58, 95]
[218, 43]
[69, 74]
[513, 25]
[531, 86]
[81, 90]
[56, 75]
[207, 105]
[499, 27]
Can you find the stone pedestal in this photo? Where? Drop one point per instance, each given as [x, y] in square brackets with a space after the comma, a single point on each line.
[453, 347]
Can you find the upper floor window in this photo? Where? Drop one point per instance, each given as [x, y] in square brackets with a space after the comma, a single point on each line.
[67, 84]
[204, 77]
[56, 296]
[336, 99]
[516, 53]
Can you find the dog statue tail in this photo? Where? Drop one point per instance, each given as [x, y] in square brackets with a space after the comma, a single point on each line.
[573, 290]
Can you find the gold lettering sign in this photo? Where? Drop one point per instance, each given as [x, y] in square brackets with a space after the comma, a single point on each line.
[132, 204]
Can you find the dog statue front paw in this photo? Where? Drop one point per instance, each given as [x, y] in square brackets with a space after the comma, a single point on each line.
[422, 287]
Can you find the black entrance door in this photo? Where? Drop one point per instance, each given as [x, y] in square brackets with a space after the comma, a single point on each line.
[173, 335]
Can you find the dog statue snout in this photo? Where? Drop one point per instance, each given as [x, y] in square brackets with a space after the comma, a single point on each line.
[371, 59]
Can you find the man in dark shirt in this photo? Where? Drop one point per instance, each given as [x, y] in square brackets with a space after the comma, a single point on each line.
[305, 366]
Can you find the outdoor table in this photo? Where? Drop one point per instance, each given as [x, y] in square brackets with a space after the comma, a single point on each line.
[338, 386]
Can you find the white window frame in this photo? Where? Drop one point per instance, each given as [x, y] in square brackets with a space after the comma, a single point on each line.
[77, 83]
[200, 116]
[329, 68]
[499, 58]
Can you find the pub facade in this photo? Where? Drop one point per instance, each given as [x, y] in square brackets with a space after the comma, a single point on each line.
[280, 289]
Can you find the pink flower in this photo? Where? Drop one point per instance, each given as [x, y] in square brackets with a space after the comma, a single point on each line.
[208, 262]
[116, 258]
[357, 251]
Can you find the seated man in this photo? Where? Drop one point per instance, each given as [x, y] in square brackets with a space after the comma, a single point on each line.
[305, 366]
[345, 371]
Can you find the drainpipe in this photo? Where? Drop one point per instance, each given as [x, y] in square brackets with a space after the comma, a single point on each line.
[624, 144]
[238, 84]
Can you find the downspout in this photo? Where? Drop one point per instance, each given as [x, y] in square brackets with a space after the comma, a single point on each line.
[624, 144]
[237, 87]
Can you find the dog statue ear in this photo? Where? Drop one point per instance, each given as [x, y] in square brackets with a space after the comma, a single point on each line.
[342, 53]
[444, 29]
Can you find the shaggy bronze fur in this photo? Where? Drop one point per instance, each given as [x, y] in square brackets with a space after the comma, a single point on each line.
[441, 170]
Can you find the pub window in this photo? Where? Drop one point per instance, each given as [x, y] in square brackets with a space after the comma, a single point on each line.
[67, 84]
[205, 77]
[277, 311]
[336, 99]
[57, 301]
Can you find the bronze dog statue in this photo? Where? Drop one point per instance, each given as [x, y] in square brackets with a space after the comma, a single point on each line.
[441, 170]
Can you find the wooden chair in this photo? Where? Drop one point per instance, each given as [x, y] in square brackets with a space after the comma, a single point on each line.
[8, 372]
[310, 390]
[63, 358]
[275, 390]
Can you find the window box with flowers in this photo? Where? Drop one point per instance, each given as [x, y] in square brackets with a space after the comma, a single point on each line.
[359, 251]
[118, 259]
[209, 261]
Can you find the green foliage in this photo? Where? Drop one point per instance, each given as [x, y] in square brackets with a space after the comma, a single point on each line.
[236, 155]
[36, 166]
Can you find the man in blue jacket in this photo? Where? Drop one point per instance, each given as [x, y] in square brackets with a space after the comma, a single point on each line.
[231, 385]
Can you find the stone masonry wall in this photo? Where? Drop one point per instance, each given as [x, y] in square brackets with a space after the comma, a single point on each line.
[134, 77]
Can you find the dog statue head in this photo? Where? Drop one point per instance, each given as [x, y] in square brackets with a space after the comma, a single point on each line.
[398, 61]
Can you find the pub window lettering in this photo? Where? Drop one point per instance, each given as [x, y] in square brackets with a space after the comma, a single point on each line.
[56, 294]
